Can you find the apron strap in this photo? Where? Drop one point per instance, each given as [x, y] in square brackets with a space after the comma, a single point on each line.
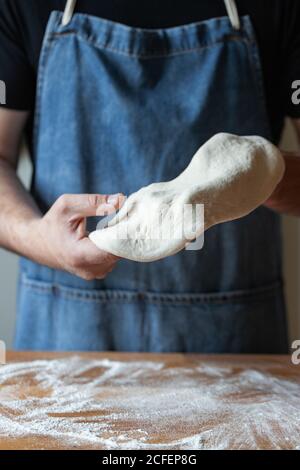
[68, 13]
[233, 13]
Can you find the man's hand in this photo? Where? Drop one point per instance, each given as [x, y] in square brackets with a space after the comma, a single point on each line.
[286, 197]
[59, 239]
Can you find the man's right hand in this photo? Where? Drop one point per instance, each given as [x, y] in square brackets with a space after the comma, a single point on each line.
[60, 241]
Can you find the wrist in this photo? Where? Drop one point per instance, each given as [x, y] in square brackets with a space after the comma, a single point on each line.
[41, 247]
[30, 240]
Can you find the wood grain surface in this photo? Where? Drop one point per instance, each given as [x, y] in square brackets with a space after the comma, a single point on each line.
[175, 431]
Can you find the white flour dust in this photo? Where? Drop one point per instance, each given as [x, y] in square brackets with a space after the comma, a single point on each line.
[109, 404]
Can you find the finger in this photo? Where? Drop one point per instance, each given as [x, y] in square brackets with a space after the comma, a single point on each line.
[88, 205]
[114, 202]
[97, 273]
[123, 213]
[91, 255]
[94, 272]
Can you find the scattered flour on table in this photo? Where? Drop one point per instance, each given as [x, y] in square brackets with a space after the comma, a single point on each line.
[135, 405]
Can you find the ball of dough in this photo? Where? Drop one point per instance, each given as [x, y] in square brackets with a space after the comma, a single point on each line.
[229, 175]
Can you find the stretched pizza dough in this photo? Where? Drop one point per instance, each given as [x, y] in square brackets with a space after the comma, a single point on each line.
[230, 175]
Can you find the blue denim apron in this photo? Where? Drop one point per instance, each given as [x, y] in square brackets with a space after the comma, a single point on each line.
[121, 107]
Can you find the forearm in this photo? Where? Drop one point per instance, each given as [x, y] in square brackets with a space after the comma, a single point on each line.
[57, 239]
[286, 198]
[17, 211]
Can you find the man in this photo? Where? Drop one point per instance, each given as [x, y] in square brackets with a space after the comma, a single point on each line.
[124, 94]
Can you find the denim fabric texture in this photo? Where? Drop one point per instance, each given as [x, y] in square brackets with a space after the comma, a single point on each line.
[119, 108]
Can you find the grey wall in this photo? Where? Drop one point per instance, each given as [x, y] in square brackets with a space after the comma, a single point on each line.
[291, 230]
[8, 274]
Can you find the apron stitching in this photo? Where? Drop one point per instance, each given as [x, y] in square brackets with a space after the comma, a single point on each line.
[163, 298]
[149, 55]
[253, 56]
[129, 29]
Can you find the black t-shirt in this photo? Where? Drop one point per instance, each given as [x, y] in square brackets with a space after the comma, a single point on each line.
[276, 22]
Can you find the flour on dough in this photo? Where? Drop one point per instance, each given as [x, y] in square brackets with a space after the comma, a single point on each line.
[230, 175]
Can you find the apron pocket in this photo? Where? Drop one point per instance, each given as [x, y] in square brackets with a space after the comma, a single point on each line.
[58, 317]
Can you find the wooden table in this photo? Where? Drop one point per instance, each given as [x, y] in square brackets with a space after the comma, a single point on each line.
[149, 401]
